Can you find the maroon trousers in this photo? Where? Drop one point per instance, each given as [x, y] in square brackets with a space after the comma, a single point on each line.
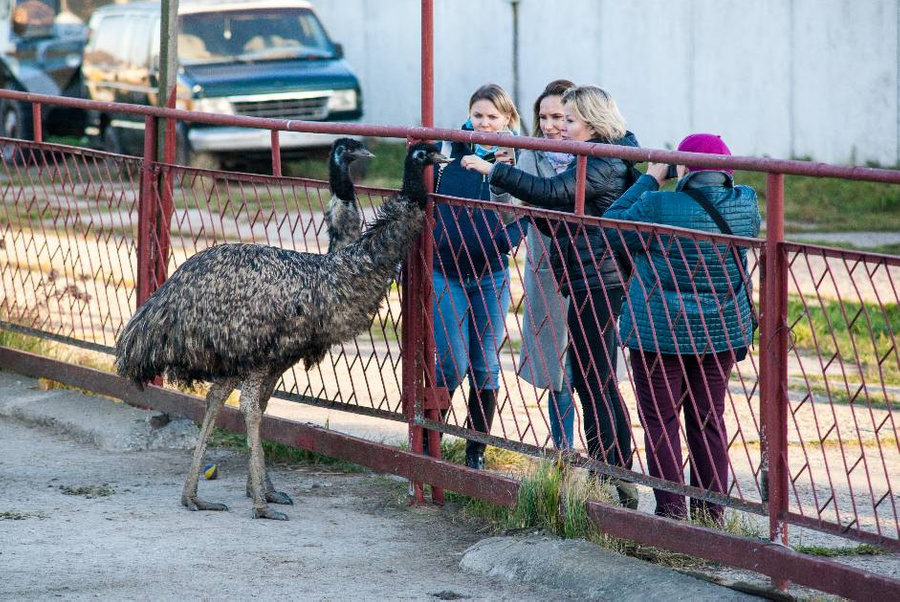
[666, 384]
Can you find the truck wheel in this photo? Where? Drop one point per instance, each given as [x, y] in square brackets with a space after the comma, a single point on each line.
[15, 122]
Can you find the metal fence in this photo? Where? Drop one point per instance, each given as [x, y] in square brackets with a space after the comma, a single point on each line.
[810, 413]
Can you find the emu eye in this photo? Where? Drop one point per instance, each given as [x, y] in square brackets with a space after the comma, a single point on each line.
[419, 155]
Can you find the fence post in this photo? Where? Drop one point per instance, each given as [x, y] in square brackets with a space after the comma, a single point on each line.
[773, 366]
[146, 211]
[580, 183]
[276, 154]
[37, 122]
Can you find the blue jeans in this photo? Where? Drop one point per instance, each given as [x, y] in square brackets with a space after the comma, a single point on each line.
[562, 414]
[469, 325]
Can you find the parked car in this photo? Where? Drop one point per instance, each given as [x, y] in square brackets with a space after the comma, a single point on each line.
[40, 52]
[268, 58]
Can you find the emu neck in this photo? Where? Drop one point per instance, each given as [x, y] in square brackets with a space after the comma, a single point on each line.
[339, 180]
[387, 241]
[413, 187]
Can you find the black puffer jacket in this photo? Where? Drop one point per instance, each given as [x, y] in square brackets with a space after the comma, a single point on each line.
[587, 259]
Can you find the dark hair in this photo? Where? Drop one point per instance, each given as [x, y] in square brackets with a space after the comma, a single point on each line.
[557, 87]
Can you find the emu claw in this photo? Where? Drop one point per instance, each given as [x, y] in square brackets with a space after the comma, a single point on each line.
[279, 497]
[269, 513]
[198, 504]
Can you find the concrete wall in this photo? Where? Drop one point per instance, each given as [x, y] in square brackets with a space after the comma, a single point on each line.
[780, 78]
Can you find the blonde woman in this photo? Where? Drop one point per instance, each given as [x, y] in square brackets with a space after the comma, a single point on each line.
[586, 270]
[471, 270]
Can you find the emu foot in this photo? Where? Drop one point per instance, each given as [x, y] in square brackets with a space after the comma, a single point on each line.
[279, 497]
[272, 496]
[267, 512]
[195, 503]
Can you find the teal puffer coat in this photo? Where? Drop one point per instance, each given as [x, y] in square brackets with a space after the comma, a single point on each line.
[674, 307]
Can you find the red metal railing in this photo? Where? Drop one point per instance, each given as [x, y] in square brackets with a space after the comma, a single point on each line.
[87, 235]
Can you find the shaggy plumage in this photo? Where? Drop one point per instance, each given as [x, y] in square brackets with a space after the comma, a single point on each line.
[244, 313]
[343, 217]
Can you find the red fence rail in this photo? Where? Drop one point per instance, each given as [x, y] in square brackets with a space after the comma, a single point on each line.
[812, 413]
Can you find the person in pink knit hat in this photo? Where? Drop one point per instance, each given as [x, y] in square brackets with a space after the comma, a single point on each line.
[688, 316]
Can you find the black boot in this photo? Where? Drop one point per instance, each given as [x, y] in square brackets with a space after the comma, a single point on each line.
[482, 405]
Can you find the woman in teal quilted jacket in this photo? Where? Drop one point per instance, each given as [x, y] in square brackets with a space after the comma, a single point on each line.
[687, 318]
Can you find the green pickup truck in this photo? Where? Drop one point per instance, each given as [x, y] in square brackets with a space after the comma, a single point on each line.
[267, 58]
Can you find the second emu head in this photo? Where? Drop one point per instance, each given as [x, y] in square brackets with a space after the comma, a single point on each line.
[419, 156]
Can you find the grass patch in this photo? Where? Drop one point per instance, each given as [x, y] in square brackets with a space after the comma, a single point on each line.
[863, 549]
[89, 491]
[24, 342]
[858, 332]
[278, 453]
[13, 515]
[892, 249]
[551, 499]
[833, 205]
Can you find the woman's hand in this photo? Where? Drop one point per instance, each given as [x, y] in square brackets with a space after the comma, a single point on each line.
[658, 171]
[476, 163]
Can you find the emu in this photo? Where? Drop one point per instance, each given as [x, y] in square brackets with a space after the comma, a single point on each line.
[343, 217]
[244, 313]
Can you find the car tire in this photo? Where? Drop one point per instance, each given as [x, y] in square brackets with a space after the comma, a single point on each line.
[16, 121]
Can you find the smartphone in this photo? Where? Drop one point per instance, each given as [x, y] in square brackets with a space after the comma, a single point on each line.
[507, 151]
[672, 172]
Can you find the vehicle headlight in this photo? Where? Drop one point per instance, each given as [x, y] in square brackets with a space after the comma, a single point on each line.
[342, 100]
[220, 106]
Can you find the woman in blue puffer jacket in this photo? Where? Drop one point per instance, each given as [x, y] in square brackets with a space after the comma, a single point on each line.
[687, 318]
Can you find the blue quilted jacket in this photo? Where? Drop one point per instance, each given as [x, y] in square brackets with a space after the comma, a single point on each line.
[672, 297]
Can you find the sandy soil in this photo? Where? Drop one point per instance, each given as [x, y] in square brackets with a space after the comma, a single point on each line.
[78, 522]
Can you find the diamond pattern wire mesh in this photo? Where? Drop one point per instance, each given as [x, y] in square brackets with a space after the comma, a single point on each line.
[68, 223]
[523, 410]
[68, 228]
[843, 375]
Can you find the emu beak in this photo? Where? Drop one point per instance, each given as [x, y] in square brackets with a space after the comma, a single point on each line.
[439, 158]
[360, 154]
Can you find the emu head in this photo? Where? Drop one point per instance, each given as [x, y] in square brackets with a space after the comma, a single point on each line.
[344, 151]
[418, 157]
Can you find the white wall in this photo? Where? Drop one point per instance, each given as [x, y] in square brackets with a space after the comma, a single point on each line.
[779, 78]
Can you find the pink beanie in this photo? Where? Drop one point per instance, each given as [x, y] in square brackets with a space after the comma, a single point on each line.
[705, 143]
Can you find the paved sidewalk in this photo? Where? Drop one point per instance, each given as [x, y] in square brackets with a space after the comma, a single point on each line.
[89, 492]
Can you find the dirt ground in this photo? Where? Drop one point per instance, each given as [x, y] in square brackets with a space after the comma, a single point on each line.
[79, 522]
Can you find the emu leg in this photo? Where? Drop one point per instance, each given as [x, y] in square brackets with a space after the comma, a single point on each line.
[215, 399]
[250, 396]
[272, 496]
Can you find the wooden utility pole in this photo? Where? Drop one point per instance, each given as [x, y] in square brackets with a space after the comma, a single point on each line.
[168, 71]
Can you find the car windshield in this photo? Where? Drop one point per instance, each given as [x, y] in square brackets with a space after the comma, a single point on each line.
[252, 35]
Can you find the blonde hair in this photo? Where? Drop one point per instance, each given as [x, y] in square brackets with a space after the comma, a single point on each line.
[557, 87]
[596, 108]
[500, 99]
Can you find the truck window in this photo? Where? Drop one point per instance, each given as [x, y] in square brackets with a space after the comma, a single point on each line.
[107, 48]
[139, 51]
[252, 34]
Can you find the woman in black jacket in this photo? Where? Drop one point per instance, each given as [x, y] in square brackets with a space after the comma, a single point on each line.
[585, 268]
